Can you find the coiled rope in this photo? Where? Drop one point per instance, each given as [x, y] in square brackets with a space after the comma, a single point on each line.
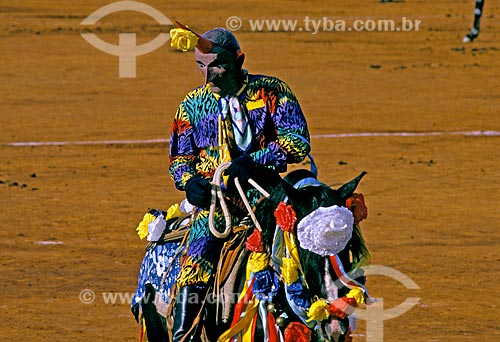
[217, 193]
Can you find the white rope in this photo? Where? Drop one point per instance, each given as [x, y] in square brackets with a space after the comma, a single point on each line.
[217, 193]
[247, 205]
[258, 187]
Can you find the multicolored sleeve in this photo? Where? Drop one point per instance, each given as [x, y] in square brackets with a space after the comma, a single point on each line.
[292, 143]
[182, 149]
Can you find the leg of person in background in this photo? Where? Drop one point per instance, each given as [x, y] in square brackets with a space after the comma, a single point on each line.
[474, 31]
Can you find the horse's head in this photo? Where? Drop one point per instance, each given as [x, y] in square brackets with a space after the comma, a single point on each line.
[305, 194]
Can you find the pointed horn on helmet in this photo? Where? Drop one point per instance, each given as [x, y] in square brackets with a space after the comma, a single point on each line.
[204, 45]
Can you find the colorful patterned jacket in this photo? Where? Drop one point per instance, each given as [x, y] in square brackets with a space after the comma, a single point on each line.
[279, 129]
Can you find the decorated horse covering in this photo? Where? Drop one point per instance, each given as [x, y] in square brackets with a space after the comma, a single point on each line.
[153, 271]
[161, 263]
[297, 278]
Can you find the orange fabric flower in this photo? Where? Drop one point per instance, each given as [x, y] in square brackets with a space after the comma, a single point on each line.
[356, 204]
[342, 307]
[297, 332]
[285, 217]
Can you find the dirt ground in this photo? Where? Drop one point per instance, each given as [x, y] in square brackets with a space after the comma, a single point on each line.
[433, 200]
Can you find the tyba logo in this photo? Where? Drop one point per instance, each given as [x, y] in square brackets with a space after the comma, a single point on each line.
[375, 315]
[127, 49]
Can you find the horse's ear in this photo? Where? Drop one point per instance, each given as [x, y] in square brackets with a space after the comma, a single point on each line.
[292, 193]
[346, 190]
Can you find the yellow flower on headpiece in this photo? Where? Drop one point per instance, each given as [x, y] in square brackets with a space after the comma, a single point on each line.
[318, 311]
[142, 229]
[183, 40]
[173, 211]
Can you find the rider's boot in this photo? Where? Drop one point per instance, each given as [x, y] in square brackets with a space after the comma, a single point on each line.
[187, 309]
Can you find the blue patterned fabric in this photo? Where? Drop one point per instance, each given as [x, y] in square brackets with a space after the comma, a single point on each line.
[153, 267]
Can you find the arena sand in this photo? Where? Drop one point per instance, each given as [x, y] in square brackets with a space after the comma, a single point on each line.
[433, 201]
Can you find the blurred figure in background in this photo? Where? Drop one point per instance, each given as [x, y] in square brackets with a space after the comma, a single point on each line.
[474, 31]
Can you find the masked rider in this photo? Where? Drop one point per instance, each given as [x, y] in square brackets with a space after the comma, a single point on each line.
[253, 120]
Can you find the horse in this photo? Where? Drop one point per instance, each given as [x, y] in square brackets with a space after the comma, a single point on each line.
[474, 31]
[271, 304]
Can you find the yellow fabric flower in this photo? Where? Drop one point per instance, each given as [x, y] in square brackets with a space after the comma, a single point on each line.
[142, 228]
[293, 250]
[357, 294]
[318, 311]
[173, 211]
[183, 40]
[289, 270]
[257, 261]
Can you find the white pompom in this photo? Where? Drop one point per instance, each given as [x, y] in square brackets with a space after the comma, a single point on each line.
[326, 231]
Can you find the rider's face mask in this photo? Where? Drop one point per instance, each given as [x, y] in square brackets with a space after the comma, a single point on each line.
[220, 71]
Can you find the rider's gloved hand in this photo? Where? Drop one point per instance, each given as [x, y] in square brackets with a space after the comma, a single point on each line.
[198, 192]
[242, 168]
